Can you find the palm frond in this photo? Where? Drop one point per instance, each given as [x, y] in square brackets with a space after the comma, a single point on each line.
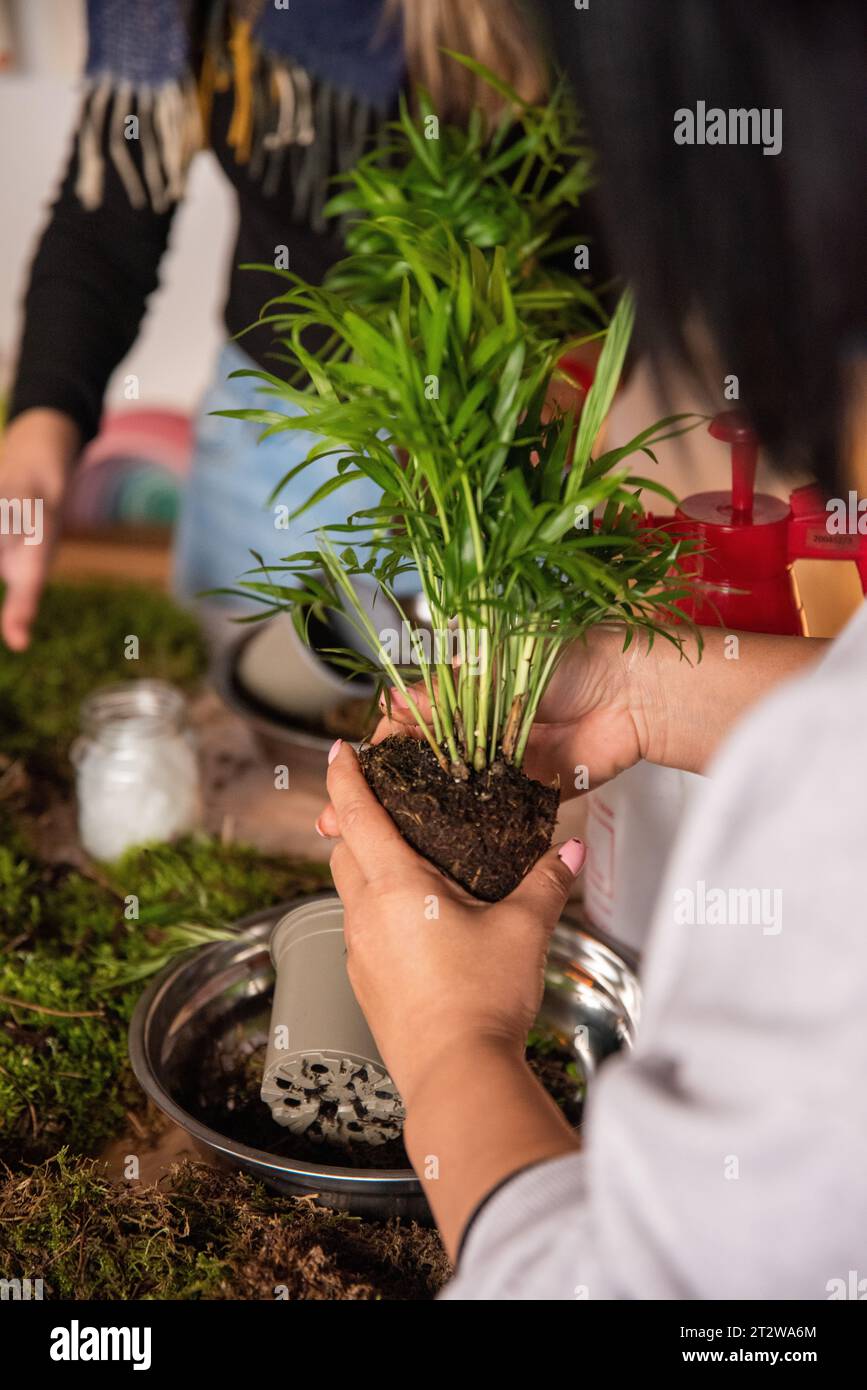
[445, 326]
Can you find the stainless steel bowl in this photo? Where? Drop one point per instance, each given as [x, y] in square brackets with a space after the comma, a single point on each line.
[223, 991]
[279, 738]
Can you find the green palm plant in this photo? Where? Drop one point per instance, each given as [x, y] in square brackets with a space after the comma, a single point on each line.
[434, 387]
[518, 188]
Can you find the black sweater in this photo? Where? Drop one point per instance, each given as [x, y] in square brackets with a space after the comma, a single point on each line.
[94, 270]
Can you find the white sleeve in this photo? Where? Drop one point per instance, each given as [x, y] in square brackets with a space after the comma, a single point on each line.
[509, 1252]
[725, 1157]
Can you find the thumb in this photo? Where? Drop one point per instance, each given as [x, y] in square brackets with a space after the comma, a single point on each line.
[547, 886]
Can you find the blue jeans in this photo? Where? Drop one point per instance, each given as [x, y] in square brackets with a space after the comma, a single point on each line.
[225, 512]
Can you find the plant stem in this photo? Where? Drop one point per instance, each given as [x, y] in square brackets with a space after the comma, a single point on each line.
[541, 682]
[512, 724]
[466, 699]
[476, 728]
[497, 714]
[362, 624]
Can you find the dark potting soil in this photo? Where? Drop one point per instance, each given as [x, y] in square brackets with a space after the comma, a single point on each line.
[485, 832]
[229, 1102]
[554, 1064]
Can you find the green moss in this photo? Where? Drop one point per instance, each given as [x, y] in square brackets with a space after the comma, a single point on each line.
[20, 907]
[204, 1235]
[71, 957]
[79, 642]
[201, 880]
[62, 1078]
[69, 948]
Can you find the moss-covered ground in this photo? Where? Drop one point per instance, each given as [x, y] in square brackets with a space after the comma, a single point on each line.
[71, 965]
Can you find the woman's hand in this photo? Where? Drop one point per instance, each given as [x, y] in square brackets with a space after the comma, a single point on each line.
[433, 968]
[608, 706]
[450, 987]
[36, 456]
[593, 718]
[595, 715]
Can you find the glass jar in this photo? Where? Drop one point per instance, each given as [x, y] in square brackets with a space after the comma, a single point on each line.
[137, 769]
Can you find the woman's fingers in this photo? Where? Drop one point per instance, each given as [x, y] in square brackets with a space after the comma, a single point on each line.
[368, 830]
[24, 568]
[550, 754]
[327, 822]
[24, 573]
[348, 878]
[543, 893]
[405, 727]
[401, 723]
[397, 717]
[394, 704]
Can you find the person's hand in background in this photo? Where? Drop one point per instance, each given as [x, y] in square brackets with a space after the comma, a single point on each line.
[36, 455]
[450, 987]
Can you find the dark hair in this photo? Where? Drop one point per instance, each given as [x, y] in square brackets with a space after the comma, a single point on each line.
[767, 251]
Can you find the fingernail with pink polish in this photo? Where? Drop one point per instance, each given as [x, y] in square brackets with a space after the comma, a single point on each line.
[397, 699]
[334, 750]
[573, 854]
[319, 831]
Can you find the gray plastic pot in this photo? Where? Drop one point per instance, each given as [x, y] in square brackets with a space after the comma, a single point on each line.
[277, 667]
[323, 1074]
[222, 993]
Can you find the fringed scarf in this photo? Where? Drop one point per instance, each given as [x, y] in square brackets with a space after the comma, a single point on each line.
[305, 74]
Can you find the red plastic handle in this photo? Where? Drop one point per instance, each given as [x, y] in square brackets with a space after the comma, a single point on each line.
[734, 428]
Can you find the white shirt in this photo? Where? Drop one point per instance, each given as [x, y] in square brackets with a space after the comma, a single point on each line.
[726, 1157]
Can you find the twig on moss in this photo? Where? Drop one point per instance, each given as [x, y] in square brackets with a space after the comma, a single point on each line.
[53, 1013]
